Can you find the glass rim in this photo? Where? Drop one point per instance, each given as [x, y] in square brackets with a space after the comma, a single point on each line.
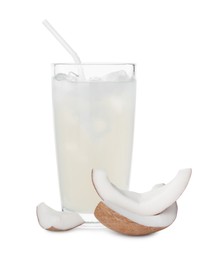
[94, 64]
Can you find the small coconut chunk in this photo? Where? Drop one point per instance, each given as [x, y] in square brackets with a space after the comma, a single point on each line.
[53, 220]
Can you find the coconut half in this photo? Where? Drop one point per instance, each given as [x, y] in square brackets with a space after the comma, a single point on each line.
[148, 203]
[128, 223]
[123, 221]
[53, 220]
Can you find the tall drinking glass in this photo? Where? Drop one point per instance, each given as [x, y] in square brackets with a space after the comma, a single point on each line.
[94, 121]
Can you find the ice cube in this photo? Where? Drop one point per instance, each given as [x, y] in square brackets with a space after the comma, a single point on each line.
[117, 104]
[120, 75]
[99, 127]
[60, 76]
[71, 76]
[95, 79]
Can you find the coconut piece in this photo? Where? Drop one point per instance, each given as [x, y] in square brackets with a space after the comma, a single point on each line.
[116, 222]
[148, 203]
[162, 219]
[53, 220]
[129, 223]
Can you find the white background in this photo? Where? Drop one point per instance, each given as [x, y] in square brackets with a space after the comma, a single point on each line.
[175, 46]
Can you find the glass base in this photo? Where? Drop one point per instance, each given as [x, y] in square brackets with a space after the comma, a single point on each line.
[89, 218]
[90, 221]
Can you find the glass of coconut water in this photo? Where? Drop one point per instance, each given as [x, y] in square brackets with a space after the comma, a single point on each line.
[94, 121]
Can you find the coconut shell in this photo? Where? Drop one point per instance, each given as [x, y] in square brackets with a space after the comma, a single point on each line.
[121, 224]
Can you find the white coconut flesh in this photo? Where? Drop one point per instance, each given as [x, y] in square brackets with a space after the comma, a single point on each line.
[51, 219]
[148, 203]
[135, 195]
[162, 219]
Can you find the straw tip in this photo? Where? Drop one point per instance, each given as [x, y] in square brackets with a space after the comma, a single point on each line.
[45, 21]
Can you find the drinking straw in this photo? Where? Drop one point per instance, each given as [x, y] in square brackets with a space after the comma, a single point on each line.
[65, 45]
